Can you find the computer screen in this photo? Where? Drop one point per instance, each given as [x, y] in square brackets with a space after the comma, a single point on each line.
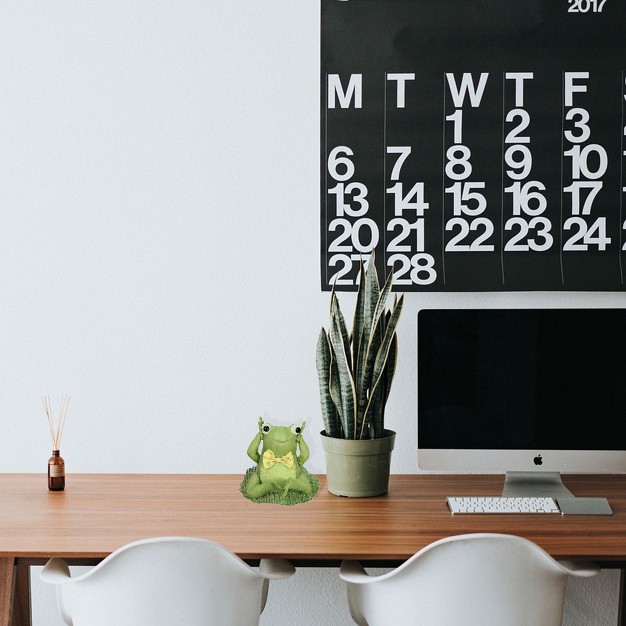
[504, 390]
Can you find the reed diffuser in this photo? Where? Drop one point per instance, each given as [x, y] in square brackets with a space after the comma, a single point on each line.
[56, 464]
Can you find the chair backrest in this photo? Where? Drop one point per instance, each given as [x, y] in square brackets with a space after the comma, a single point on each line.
[474, 580]
[165, 582]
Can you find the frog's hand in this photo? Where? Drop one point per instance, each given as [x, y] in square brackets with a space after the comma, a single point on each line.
[253, 448]
[300, 430]
[304, 452]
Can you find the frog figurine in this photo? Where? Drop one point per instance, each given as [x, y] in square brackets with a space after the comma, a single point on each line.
[279, 466]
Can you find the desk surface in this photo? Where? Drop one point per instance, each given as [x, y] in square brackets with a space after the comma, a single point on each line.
[98, 513]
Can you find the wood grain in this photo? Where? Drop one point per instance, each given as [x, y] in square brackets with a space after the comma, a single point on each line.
[21, 597]
[6, 590]
[98, 513]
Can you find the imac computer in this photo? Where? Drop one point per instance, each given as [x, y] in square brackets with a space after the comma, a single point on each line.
[532, 393]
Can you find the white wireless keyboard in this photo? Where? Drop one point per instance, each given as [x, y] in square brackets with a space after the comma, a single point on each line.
[502, 504]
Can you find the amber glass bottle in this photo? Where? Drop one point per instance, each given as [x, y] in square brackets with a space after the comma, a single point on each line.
[56, 472]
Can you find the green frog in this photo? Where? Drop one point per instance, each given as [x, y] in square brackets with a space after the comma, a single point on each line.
[279, 466]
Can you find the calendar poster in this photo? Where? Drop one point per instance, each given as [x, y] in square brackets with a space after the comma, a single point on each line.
[475, 145]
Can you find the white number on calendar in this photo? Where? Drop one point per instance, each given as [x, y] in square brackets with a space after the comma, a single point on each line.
[357, 193]
[420, 268]
[363, 235]
[412, 201]
[527, 197]
[540, 243]
[514, 136]
[344, 262]
[340, 167]
[586, 6]
[589, 161]
[481, 225]
[584, 235]
[458, 166]
[466, 200]
[519, 158]
[404, 229]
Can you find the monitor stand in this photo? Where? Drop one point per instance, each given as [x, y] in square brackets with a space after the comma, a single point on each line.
[549, 484]
[535, 484]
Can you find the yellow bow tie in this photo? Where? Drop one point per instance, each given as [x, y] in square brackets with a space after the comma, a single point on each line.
[269, 459]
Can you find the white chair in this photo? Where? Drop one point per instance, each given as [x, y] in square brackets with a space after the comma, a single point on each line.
[467, 580]
[167, 581]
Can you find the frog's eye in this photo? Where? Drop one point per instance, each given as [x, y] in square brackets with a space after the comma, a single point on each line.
[266, 428]
[296, 430]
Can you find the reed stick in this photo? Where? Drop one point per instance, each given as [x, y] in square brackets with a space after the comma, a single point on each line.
[56, 432]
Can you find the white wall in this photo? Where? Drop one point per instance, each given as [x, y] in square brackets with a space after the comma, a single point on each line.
[159, 248]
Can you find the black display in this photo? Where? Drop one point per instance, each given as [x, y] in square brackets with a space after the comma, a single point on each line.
[522, 379]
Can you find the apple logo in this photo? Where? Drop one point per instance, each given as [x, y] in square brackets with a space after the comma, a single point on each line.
[538, 460]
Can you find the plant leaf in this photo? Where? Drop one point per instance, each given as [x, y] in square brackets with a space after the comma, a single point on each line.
[341, 324]
[323, 358]
[390, 370]
[373, 422]
[346, 383]
[381, 361]
[370, 295]
[365, 381]
[359, 319]
[379, 310]
[334, 387]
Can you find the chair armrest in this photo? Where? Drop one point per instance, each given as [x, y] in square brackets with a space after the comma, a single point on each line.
[583, 570]
[276, 568]
[55, 572]
[353, 572]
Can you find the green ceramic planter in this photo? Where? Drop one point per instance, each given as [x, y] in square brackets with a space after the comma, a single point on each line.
[358, 468]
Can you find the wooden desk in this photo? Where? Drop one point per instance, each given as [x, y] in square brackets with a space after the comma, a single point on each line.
[98, 513]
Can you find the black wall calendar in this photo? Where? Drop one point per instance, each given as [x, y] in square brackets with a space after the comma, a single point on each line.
[476, 145]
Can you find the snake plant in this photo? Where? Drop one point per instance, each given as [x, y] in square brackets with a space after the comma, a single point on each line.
[355, 370]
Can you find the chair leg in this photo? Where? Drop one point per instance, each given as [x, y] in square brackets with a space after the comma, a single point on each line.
[621, 615]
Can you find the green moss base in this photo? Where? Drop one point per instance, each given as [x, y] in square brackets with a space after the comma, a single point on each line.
[274, 497]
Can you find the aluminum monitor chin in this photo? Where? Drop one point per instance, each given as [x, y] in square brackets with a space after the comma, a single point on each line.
[533, 390]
